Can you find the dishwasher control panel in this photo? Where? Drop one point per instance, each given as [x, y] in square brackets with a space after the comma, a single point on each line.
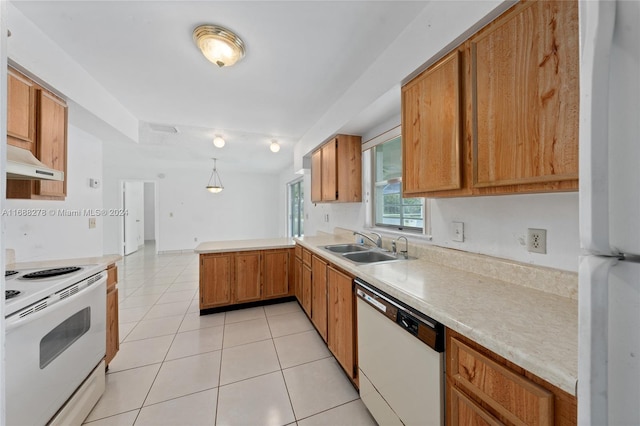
[419, 325]
[405, 321]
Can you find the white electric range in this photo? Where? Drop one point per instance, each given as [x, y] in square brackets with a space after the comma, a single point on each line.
[55, 341]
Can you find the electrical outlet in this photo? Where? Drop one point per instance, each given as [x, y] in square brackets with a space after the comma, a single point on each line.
[92, 222]
[537, 241]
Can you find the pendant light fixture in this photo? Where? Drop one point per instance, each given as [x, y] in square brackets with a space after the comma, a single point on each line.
[215, 183]
[219, 45]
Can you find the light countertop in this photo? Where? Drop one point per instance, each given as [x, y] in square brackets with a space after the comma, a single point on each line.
[105, 261]
[244, 245]
[536, 330]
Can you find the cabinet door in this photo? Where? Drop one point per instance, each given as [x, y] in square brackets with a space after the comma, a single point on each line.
[247, 277]
[306, 289]
[319, 296]
[215, 279]
[113, 336]
[526, 95]
[275, 273]
[464, 411]
[52, 142]
[297, 270]
[329, 173]
[431, 129]
[316, 176]
[21, 111]
[341, 320]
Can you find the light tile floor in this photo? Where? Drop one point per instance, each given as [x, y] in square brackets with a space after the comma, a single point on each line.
[255, 366]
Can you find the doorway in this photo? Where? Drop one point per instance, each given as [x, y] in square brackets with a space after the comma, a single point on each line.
[139, 201]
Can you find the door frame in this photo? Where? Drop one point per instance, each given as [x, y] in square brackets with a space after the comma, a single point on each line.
[156, 204]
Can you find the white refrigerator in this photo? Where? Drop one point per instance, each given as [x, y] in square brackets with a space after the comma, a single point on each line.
[609, 271]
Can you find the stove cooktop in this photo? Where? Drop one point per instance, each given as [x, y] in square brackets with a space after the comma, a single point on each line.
[28, 286]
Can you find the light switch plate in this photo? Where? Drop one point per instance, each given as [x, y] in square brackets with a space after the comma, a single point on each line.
[457, 231]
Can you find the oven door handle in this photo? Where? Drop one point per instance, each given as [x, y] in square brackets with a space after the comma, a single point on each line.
[15, 321]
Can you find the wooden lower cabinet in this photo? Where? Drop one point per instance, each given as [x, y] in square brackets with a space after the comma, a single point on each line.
[216, 279]
[484, 388]
[231, 278]
[297, 278]
[319, 295]
[113, 336]
[306, 289]
[248, 277]
[341, 323]
[276, 273]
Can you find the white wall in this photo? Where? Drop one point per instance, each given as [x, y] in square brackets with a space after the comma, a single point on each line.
[149, 211]
[187, 214]
[55, 236]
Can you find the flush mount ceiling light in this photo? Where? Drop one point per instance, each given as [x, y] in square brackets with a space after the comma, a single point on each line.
[218, 142]
[219, 45]
[275, 146]
[215, 183]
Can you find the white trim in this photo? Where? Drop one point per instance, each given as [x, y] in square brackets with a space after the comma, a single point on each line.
[382, 138]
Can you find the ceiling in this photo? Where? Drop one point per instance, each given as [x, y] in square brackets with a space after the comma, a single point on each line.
[301, 57]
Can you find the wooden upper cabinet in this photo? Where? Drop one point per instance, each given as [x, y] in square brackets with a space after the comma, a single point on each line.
[499, 114]
[275, 265]
[36, 121]
[316, 178]
[216, 279]
[247, 276]
[329, 171]
[431, 128]
[336, 170]
[21, 111]
[52, 142]
[526, 96]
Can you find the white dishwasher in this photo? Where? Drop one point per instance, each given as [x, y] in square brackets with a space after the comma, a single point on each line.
[401, 360]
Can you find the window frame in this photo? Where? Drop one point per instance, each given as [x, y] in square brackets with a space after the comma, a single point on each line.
[290, 206]
[370, 159]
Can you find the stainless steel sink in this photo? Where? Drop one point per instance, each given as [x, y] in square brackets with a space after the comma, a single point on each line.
[369, 256]
[346, 248]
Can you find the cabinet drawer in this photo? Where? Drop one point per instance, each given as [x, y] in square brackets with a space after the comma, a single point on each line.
[298, 251]
[306, 257]
[464, 411]
[511, 395]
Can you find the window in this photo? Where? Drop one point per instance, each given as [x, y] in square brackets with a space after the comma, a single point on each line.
[390, 209]
[296, 209]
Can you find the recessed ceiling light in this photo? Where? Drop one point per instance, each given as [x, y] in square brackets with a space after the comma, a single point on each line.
[275, 146]
[219, 45]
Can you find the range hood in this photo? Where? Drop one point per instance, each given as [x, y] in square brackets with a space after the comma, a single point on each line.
[21, 164]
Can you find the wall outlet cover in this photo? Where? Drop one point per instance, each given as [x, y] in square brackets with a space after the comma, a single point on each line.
[537, 240]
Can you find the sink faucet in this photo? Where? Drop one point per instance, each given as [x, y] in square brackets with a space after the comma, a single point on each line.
[404, 252]
[377, 241]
